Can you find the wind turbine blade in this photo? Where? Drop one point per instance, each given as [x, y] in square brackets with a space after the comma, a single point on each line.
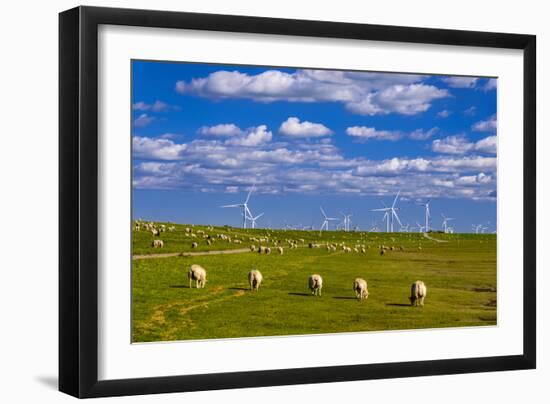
[249, 193]
[395, 200]
[397, 217]
[257, 217]
[379, 210]
[231, 206]
[323, 212]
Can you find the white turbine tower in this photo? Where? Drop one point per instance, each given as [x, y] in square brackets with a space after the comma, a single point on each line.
[246, 212]
[389, 214]
[445, 220]
[326, 220]
[427, 216]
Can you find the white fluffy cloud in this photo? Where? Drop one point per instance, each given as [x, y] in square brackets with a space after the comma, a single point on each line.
[487, 125]
[225, 165]
[157, 106]
[491, 84]
[361, 93]
[143, 120]
[253, 137]
[487, 145]
[292, 127]
[460, 82]
[420, 134]
[224, 129]
[469, 180]
[156, 149]
[403, 99]
[366, 133]
[444, 113]
[459, 144]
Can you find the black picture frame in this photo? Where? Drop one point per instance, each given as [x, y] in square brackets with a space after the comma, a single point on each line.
[78, 201]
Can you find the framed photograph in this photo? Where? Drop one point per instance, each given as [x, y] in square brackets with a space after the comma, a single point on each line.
[251, 202]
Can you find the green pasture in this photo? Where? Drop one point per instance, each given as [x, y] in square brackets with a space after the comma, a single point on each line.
[460, 275]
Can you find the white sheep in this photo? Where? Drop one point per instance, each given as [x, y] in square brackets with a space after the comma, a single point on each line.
[194, 245]
[157, 244]
[418, 293]
[315, 283]
[252, 248]
[360, 288]
[267, 250]
[255, 279]
[280, 249]
[198, 274]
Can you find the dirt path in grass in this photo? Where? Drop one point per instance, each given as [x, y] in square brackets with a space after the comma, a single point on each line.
[190, 254]
[434, 239]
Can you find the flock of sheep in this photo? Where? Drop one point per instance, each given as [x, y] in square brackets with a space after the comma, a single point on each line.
[315, 283]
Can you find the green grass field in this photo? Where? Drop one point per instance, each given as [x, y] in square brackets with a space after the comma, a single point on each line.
[460, 275]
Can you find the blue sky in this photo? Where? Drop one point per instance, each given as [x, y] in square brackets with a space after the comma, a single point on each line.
[203, 134]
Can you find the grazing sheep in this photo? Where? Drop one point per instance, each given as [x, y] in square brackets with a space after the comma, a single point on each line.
[255, 279]
[280, 249]
[252, 248]
[155, 232]
[157, 244]
[208, 242]
[198, 274]
[382, 252]
[315, 283]
[363, 251]
[267, 250]
[418, 293]
[261, 249]
[194, 245]
[360, 288]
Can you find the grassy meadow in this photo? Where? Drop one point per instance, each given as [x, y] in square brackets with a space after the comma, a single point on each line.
[460, 275]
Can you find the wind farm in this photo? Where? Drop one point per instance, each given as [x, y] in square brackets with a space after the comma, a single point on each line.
[459, 269]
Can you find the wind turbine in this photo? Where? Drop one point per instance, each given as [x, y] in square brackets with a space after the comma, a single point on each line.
[420, 227]
[253, 219]
[326, 221]
[389, 214]
[346, 222]
[246, 212]
[445, 220]
[427, 207]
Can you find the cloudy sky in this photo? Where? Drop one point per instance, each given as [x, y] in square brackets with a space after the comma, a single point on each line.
[203, 133]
